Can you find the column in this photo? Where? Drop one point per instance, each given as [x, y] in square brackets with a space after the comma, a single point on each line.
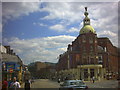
[99, 74]
[82, 74]
[96, 72]
[88, 74]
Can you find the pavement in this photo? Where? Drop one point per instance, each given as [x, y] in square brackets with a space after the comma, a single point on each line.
[103, 84]
[43, 83]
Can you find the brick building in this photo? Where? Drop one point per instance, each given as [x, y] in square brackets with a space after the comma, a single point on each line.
[89, 56]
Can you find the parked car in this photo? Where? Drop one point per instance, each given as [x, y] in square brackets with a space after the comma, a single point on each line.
[73, 85]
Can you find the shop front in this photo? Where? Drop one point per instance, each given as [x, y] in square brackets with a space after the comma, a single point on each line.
[10, 70]
[87, 72]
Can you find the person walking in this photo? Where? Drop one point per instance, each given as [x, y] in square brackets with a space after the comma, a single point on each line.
[15, 84]
[9, 83]
[4, 84]
[58, 80]
[93, 79]
[27, 85]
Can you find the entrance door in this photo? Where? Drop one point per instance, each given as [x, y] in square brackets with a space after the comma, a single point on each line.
[91, 73]
[85, 74]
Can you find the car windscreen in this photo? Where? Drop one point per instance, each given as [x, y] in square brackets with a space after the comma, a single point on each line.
[72, 83]
[80, 83]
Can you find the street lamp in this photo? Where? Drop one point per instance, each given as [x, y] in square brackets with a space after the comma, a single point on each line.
[108, 71]
[108, 65]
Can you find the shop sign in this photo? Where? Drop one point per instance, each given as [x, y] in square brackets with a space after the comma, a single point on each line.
[10, 66]
[18, 67]
[11, 70]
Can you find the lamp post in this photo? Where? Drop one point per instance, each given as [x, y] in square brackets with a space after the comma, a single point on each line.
[108, 65]
[107, 62]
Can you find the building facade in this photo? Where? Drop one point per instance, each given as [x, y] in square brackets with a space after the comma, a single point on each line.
[89, 56]
[42, 69]
[12, 65]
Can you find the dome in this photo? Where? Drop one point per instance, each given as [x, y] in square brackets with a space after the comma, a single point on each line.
[87, 29]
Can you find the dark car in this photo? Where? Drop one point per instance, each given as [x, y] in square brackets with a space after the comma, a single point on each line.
[73, 85]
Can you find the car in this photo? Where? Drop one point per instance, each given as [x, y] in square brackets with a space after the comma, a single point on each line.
[73, 85]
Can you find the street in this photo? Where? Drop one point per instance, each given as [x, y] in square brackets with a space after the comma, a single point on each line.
[103, 84]
[46, 83]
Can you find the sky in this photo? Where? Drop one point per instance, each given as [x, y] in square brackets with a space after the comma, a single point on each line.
[41, 31]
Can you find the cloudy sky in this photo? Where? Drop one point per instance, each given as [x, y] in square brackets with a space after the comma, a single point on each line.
[41, 31]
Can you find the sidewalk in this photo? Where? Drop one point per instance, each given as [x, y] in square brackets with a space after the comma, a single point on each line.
[102, 84]
[22, 85]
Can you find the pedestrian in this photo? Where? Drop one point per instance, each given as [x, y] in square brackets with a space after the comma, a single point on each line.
[9, 82]
[59, 80]
[93, 79]
[4, 84]
[15, 84]
[66, 78]
[27, 85]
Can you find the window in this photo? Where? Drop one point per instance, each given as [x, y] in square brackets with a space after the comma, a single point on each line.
[90, 40]
[100, 59]
[83, 39]
[91, 73]
[85, 73]
[84, 49]
[91, 48]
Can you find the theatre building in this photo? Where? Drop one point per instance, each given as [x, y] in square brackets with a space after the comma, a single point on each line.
[89, 56]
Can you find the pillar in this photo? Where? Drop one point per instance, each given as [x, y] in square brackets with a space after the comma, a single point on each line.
[82, 74]
[88, 74]
[96, 72]
[99, 74]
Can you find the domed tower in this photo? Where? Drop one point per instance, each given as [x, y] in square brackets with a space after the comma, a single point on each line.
[88, 42]
[87, 27]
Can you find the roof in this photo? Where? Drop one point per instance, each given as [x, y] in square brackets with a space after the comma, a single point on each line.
[11, 58]
[73, 80]
[87, 29]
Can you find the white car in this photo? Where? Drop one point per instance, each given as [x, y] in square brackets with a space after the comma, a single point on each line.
[74, 85]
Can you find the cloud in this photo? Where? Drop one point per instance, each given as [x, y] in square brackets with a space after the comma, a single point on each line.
[73, 29]
[0, 27]
[105, 33]
[57, 27]
[42, 49]
[104, 16]
[13, 10]
[64, 11]
[40, 24]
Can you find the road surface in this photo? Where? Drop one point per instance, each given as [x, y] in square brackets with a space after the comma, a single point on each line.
[46, 83]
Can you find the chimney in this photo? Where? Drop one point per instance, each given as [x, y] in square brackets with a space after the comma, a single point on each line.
[14, 53]
[8, 49]
[11, 52]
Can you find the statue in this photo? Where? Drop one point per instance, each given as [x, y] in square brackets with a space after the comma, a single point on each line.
[85, 8]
